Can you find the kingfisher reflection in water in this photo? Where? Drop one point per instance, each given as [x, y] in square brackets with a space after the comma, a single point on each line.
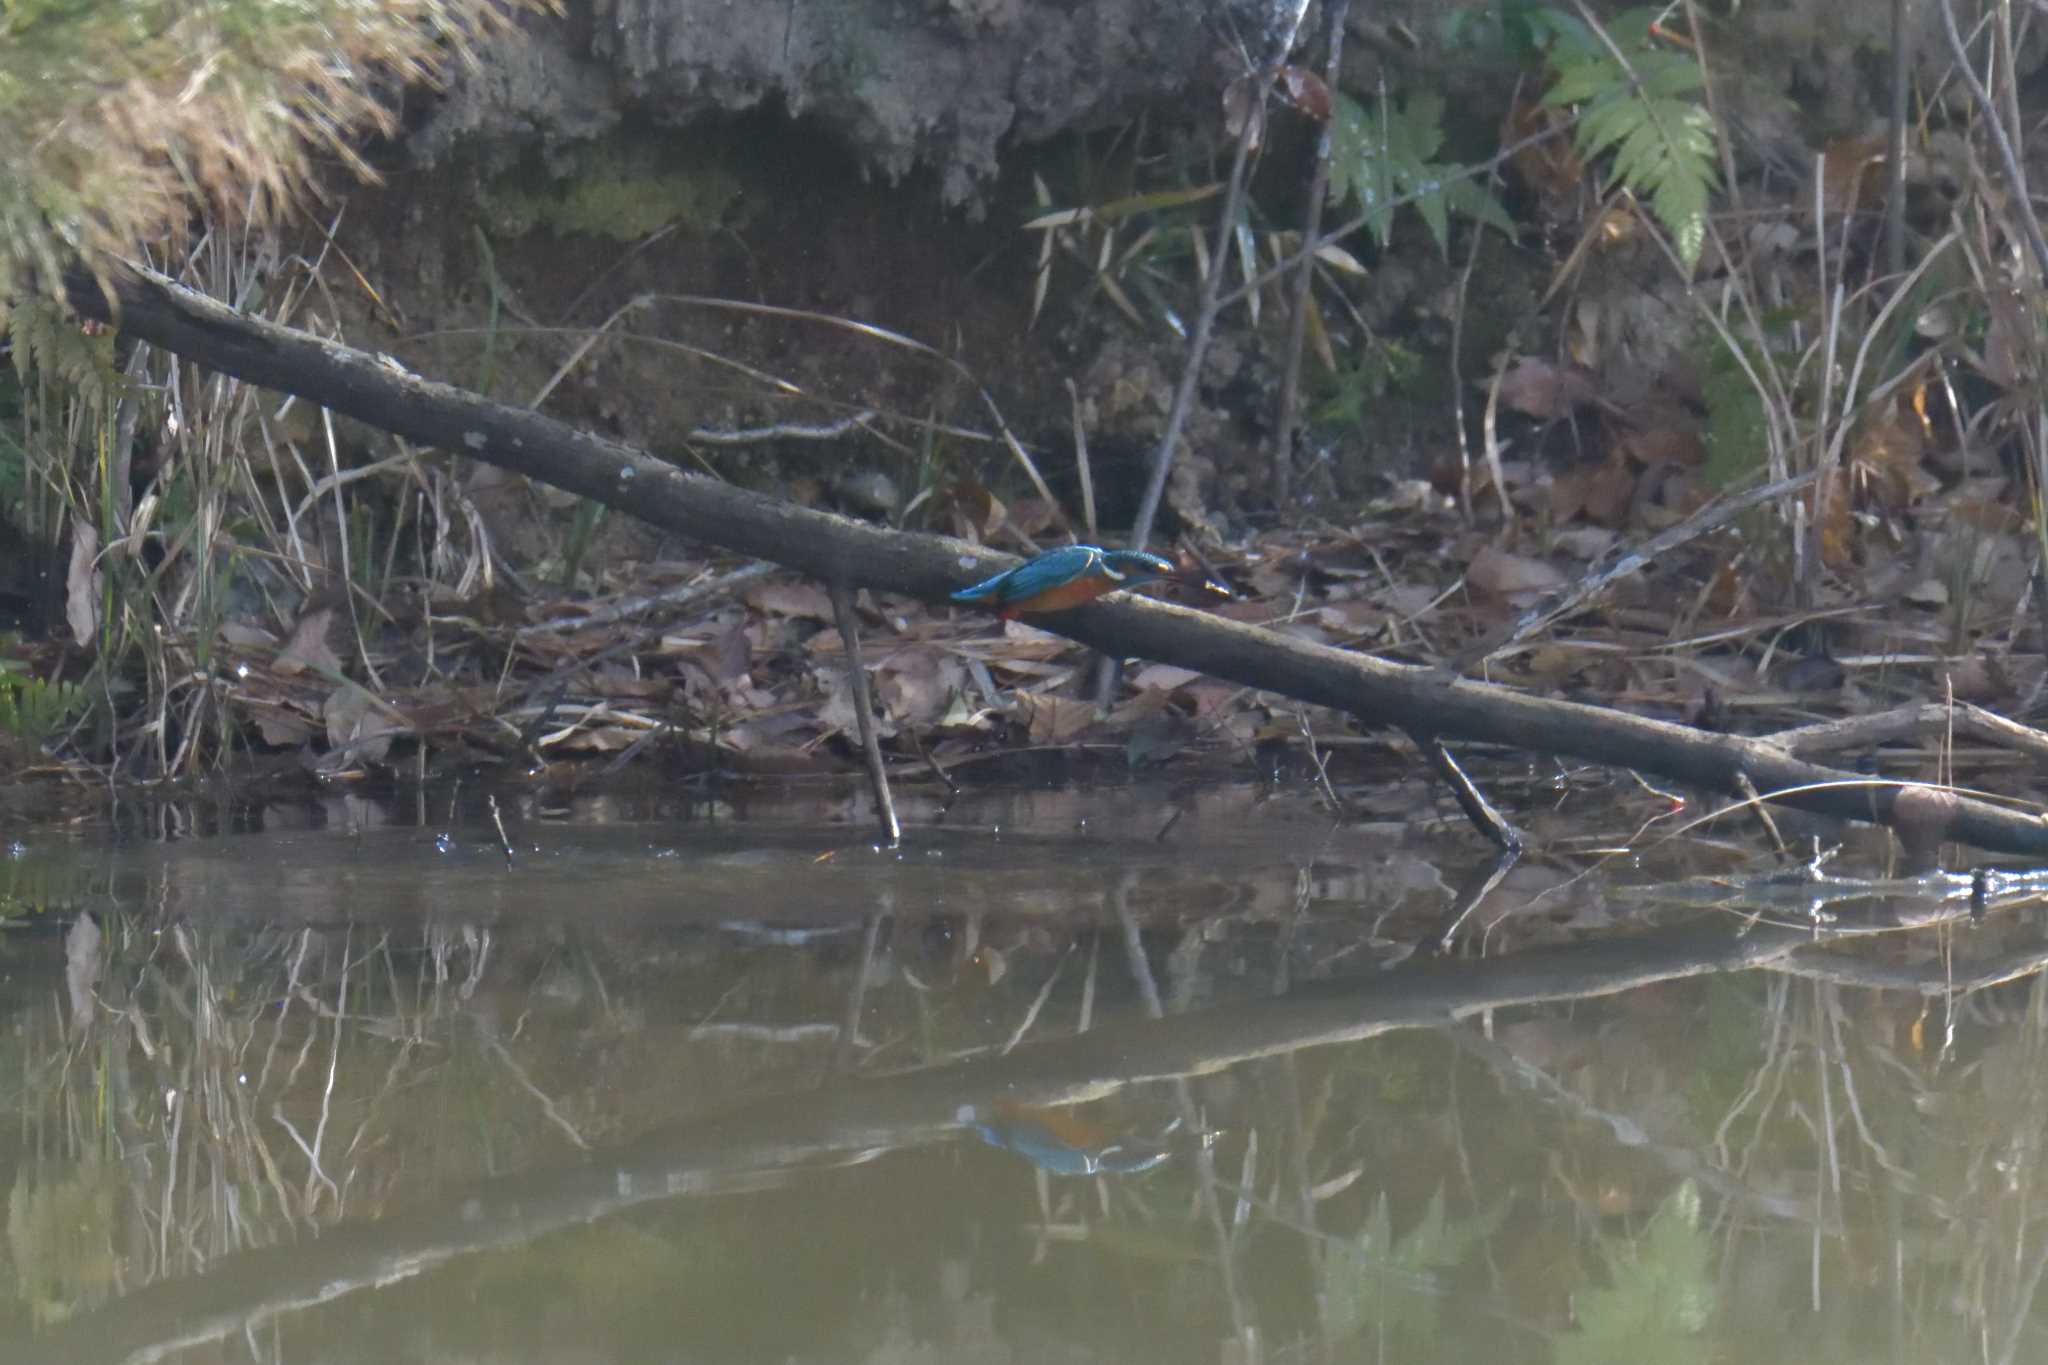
[1065, 1143]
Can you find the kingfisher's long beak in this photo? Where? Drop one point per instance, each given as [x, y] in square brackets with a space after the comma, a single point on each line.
[1205, 583]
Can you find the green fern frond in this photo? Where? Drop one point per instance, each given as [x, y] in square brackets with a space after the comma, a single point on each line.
[1645, 113]
[1388, 155]
[36, 711]
[1737, 426]
[50, 346]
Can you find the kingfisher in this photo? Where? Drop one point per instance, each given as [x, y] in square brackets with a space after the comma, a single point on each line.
[1066, 577]
[1062, 1142]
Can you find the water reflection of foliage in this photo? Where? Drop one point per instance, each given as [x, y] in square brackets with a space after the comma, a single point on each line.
[43, 879]
[60, 1238]
[228, 1088]
[380, 1062]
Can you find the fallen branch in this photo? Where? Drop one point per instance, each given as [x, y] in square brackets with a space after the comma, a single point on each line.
[1424, 702]
[1916, 721]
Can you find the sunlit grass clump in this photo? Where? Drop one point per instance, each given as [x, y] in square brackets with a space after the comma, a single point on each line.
[127, 116]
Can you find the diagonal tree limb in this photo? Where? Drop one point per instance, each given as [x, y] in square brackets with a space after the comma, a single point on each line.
[1425, 702]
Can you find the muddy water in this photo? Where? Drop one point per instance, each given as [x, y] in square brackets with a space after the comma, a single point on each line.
[1122, 1076]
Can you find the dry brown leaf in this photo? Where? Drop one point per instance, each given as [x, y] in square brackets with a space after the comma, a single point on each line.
[245, 636]
[1148, 703]
[1585, 543]
[1163, 677]
[1244, 102]
[1407, 599]
[1273, 577]
[1548, 663]
[596, 739]
[1021, 640]
[962, 714]
[1516, 578]
[1156, 738]
[1674, 443]
[1853, 175]
[778, 761]
[1730, 590]
[1609, 492]
[1210, 697]
[1306, 91]
[1569, 492]
[1355, 617]
[1544, 390]
[837, 715]
[1983, 514]
[616, 684]
[770, 729]
[308, 647]
[283, 728]
[804, 600]
[1547, 165]
[1055, 720]
[1975, 678]
[917, 685]
[728, 656]
[1838, 520]
[975, 513]
[1930, 593]
[1884, 454]
[1034, 517]
[550, 647]
[356, 729]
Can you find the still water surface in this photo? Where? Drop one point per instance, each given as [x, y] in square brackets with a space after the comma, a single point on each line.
[1053, 1081]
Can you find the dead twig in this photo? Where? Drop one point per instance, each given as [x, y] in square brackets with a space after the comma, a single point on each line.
[1318, 186]
[693, 593]
[1487, 820]
[1322, 763]
[1205, 319]
[1763, 813]
[1620, 566]
[864, 713]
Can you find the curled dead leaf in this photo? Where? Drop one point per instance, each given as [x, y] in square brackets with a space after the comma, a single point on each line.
[1244, 108]
[1306, 92]
[82, 585]
[975, 513]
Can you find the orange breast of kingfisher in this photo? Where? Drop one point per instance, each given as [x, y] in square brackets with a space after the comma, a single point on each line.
[1071, 593]
[1064, 1124]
